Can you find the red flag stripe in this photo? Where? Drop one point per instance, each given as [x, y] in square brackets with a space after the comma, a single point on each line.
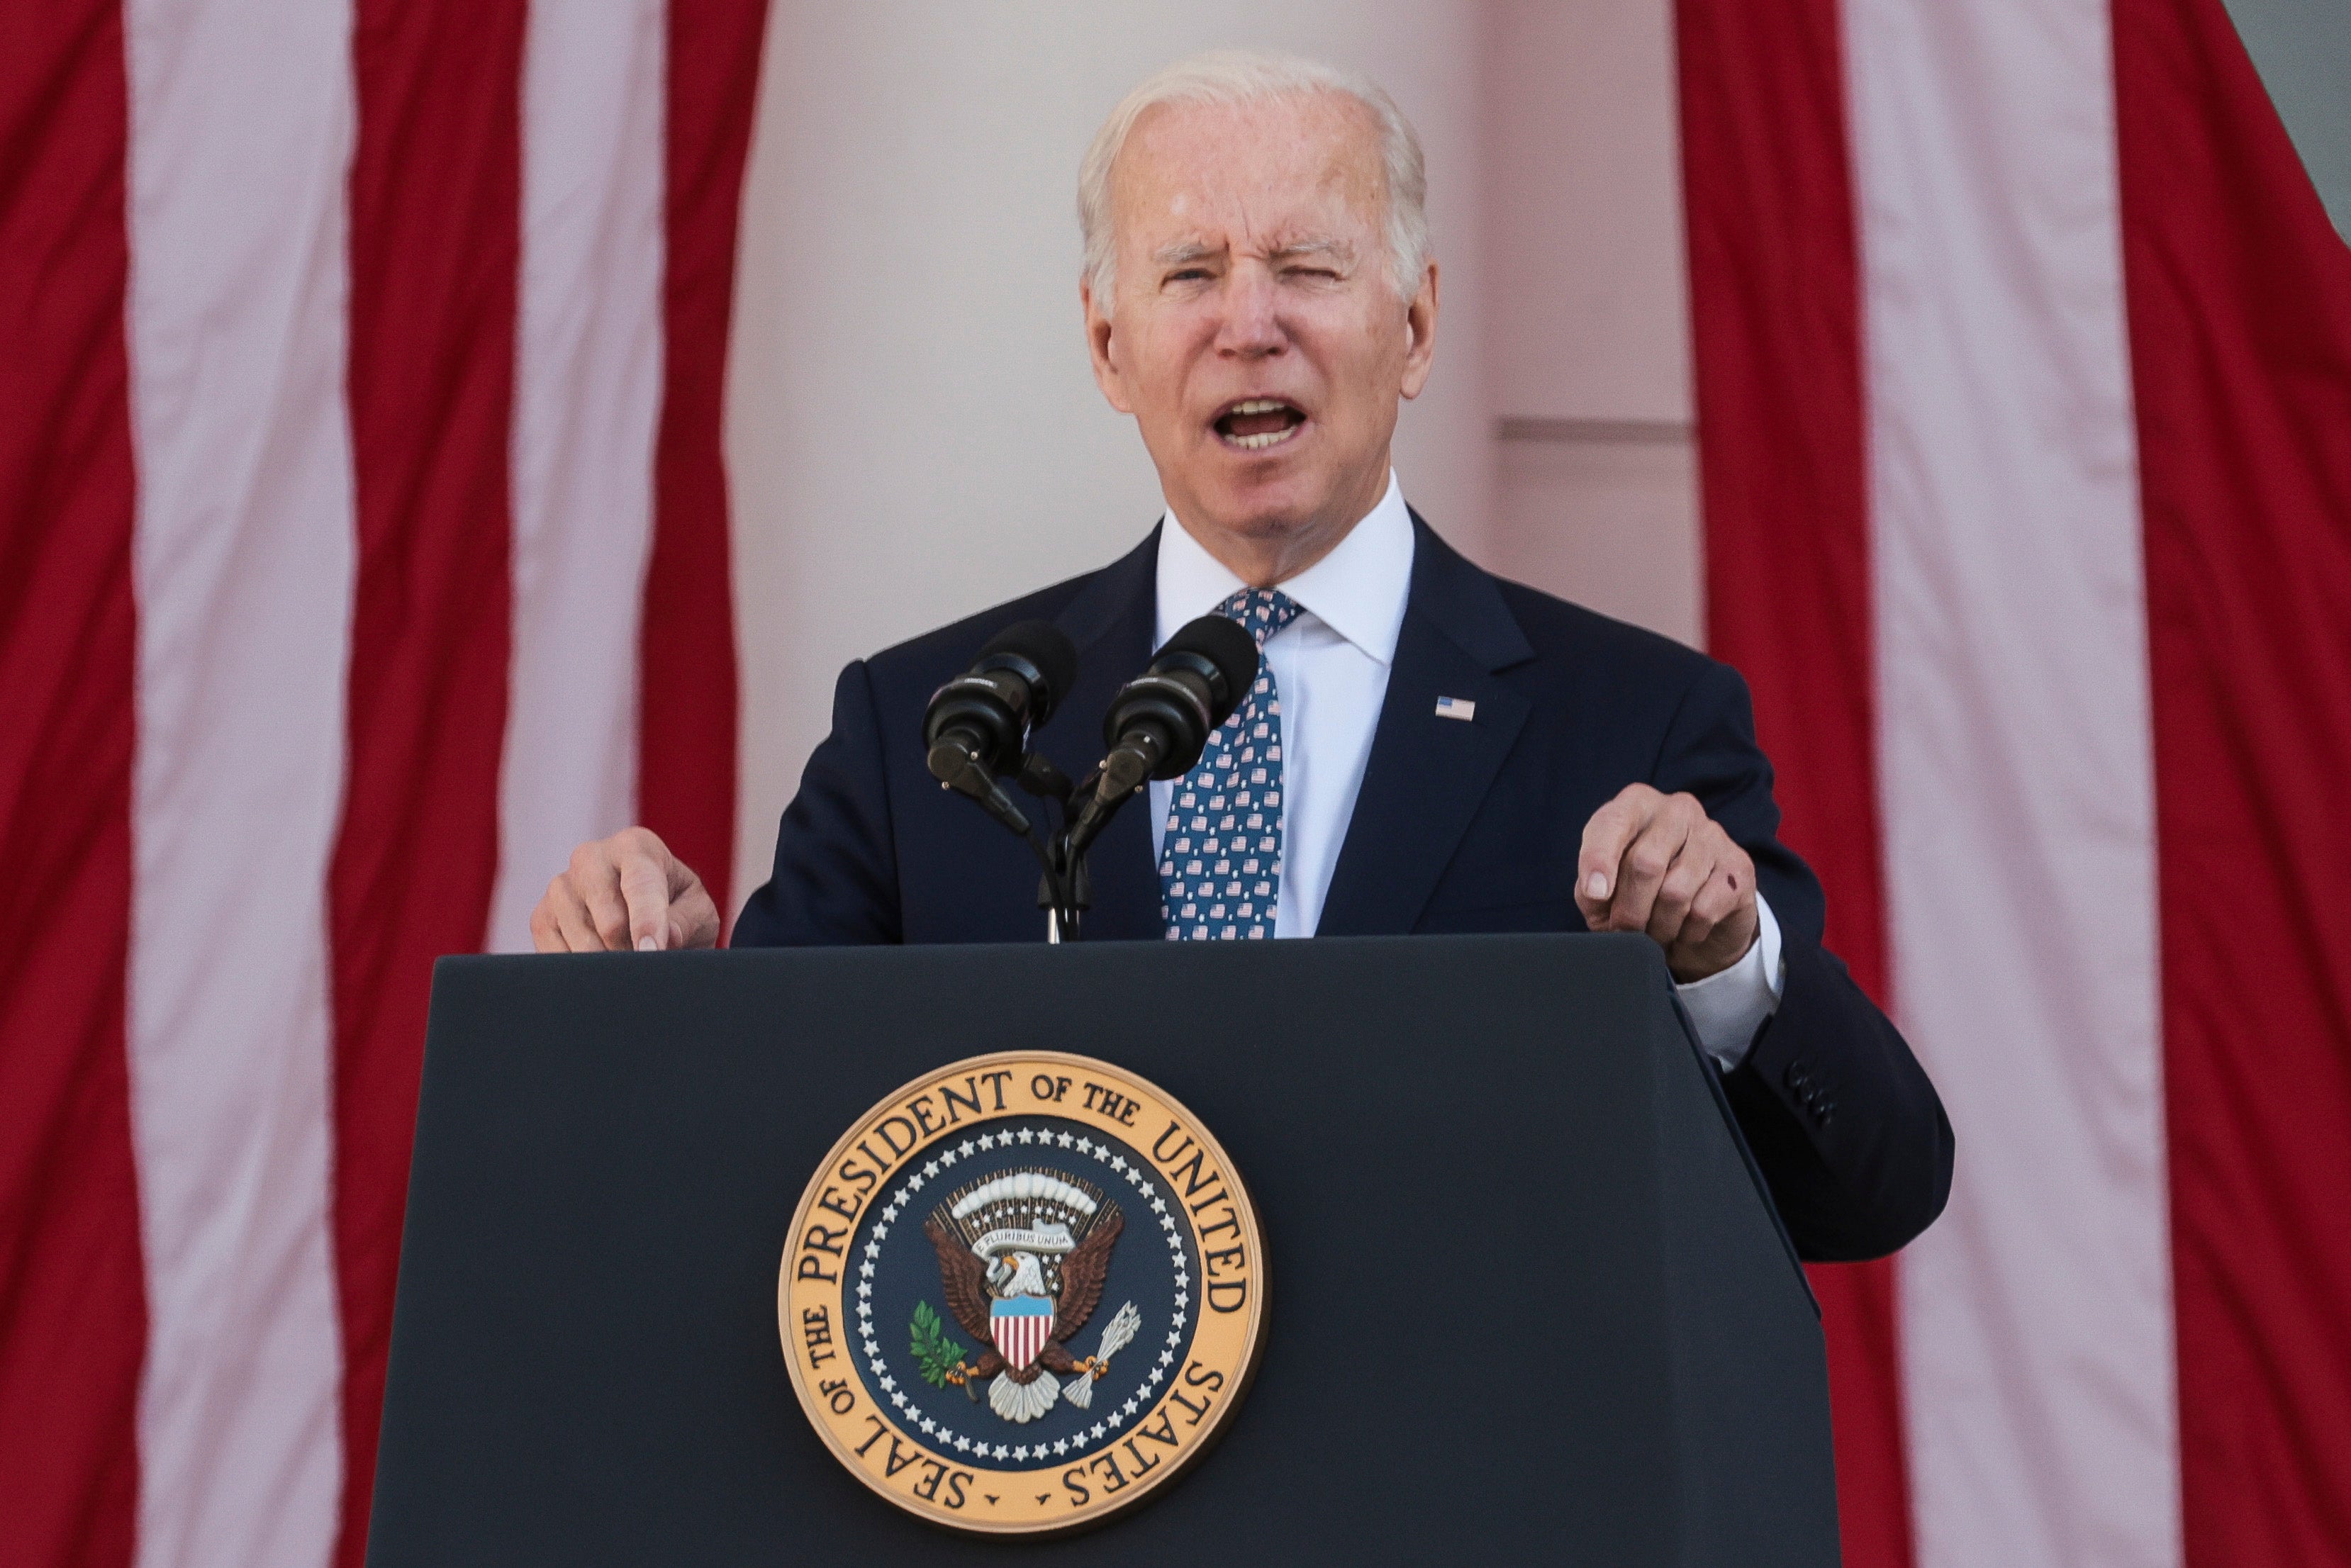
[687, 761]
[204, 1136]
[431, 386]
[1776, 323]
[2240, 344]
[72, 1305]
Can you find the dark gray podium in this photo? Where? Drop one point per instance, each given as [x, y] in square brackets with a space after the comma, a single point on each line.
[1626, 1368]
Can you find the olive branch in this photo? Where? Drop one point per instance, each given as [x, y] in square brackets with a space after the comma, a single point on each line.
[936, 1355]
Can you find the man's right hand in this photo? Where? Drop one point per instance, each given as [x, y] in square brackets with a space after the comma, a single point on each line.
[621, 893]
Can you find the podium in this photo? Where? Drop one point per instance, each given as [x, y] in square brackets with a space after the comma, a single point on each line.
[1529, 1301]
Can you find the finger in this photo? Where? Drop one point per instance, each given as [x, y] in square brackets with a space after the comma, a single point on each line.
[1606, 836]
[644, 888]
[1728, 901]
[694, 919]
[1683, 882]
[1715, 902]
[573, 921]
[682, 879]
[1643, 871]
[597, 882]
[545, 931]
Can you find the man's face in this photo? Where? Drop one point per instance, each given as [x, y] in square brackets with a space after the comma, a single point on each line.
[1257, 336]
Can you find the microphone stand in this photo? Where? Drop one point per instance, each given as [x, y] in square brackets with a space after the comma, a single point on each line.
[1064, 890]
[1064, 887]
[1079, 827]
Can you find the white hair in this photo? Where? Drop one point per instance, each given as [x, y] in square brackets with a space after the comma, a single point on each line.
[1251, 75]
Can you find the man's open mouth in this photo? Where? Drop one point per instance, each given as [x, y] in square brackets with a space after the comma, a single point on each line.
[1254, 424]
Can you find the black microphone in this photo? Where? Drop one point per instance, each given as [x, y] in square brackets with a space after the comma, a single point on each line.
[977, 725]
[1160, 722]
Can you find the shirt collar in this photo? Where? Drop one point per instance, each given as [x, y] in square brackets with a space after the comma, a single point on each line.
[1358, 590]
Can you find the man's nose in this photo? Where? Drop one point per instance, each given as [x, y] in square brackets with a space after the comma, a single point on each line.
[1251, 327]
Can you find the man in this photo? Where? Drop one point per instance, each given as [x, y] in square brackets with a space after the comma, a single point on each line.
[1429, 748]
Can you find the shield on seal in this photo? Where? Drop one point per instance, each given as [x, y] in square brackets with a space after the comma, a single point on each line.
[1020, 1326]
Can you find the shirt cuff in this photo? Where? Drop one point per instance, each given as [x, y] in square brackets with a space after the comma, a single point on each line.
[1729, 1008]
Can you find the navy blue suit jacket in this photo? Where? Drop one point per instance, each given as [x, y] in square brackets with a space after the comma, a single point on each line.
[1458, 828]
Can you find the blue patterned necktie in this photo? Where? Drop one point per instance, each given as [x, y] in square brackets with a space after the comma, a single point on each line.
[1221, 861]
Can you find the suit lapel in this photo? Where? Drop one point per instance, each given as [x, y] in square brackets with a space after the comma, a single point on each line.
[1112, 620]
[1427, 774]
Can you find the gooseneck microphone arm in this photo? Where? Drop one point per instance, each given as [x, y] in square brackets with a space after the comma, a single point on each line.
[1159, 723]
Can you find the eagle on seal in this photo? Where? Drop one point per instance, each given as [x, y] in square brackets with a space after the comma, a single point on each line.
[996, 1287]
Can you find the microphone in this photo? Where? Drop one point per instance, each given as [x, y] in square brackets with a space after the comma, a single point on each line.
[1159, 723]
[977, 725]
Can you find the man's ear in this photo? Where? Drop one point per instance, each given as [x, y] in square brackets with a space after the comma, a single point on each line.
[1420, 333]
[1098, 346]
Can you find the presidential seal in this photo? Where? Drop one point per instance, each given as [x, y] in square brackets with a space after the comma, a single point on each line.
[1022, 1293]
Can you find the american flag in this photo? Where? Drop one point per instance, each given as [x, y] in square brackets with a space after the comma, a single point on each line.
[2023, 351]
[366, 548]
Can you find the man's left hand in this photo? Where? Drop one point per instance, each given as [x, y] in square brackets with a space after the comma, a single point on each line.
[1658, 864]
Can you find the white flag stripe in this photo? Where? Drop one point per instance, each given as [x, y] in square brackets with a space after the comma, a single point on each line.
[2016, 776]
[241, 133]
[588, 381]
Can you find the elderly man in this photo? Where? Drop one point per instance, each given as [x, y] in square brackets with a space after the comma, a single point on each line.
[1456, 753]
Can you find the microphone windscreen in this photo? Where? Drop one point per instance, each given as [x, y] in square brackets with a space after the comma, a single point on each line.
[1047, 647]
[1227, 644]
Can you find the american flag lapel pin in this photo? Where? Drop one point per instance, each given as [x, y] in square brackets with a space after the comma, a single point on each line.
[1456, 707]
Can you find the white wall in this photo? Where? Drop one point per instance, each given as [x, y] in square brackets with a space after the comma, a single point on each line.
[913, 434]
[1596, 481]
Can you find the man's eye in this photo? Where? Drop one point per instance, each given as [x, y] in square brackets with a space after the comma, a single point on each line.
[1188, 274]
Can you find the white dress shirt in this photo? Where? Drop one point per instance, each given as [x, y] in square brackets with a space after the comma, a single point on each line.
[1330, 671]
